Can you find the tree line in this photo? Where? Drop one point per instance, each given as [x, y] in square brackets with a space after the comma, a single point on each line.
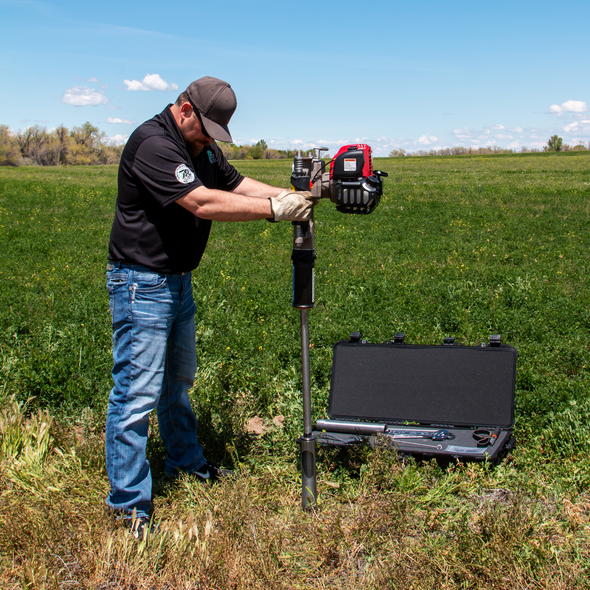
[258, 151]
[85, 145]
[555, 144]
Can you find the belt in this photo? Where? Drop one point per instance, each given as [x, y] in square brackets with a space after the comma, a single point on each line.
[111, 267]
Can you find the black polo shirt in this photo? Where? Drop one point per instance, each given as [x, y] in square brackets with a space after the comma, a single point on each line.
[155, 170]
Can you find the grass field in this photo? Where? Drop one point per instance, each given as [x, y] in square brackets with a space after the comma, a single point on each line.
[460, 246]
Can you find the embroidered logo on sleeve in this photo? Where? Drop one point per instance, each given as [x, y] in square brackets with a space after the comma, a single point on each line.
[184, 174]
[211, 157]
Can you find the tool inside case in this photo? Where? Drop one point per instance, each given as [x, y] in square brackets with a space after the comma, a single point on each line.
[443, 400]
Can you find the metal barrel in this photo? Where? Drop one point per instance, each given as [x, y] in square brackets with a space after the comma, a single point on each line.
[307, 441]
[308, 471]
[348, 427]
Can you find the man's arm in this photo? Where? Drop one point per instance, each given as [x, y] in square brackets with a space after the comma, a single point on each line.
[218, 205]
[250, 200]
[253, 188]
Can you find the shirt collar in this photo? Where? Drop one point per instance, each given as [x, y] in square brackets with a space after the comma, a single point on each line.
[170, 123]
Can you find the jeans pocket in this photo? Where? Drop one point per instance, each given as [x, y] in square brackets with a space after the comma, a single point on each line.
[117, 282]
[148, 281]
[116, 279]
[152, 297]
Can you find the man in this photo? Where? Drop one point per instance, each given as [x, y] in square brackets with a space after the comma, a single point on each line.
[173, 181]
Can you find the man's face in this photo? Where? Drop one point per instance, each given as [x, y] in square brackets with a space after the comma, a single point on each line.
[192, 132]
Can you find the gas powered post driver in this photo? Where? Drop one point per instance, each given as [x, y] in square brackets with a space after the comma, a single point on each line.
[351, 182]
[354, 187]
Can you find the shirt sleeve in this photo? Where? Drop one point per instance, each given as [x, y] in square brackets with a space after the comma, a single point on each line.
[164, 171]
[228, 178]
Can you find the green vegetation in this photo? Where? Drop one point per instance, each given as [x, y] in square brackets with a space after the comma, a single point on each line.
[555, 144]
[463, 246]
[258, 151]
[85, 145]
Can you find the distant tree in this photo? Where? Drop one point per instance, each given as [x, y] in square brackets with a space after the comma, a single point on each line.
[10, 154]
[24, 139]
[88, 135]
[88, 147]
[555, 144]
[63, 137]
[35, 145]
[229, 150]
[397, 153]
[38, 147]
[257, 152]
[273, 155]
[253, 152]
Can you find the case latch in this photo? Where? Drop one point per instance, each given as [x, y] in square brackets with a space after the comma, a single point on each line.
[355, 336]
[449, 341]
[495, 340]
[399, 338]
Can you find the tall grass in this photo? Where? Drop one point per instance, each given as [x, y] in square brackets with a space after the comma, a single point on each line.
[460, 246]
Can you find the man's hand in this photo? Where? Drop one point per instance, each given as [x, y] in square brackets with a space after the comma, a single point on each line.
[291, 206]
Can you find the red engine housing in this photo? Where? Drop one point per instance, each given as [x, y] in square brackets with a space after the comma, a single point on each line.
[352, 162]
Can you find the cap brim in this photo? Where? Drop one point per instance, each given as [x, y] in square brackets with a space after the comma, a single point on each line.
[215, 130]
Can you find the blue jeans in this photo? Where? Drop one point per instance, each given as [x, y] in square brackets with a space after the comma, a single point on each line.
[154, 354]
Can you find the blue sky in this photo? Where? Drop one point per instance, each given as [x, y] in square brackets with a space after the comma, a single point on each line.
[412, 75]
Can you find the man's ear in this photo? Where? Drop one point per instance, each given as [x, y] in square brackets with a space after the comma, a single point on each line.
[186, 110]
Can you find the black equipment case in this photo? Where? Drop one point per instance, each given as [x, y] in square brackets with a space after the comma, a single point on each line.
[445, 401]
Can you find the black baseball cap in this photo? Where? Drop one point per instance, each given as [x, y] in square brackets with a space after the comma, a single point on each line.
[216, 102]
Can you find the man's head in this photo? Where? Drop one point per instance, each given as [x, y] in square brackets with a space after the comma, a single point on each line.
[215, 103]
[203, 111]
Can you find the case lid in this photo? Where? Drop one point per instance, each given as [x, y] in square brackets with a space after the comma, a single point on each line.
[450, 385]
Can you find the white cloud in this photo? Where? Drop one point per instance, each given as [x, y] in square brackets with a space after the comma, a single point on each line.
[82, 96]
[497, 127]
[92, 80]
[570, 106]
[463, 133]
[117, 121]
[427, 139]
[151, 82]
[134, 85]
[579, 127]
[117, 139]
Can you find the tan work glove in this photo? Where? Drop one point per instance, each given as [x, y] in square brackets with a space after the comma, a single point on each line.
[291, 206]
